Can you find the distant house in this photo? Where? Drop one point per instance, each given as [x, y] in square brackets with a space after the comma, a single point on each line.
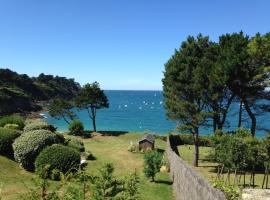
[147, 143]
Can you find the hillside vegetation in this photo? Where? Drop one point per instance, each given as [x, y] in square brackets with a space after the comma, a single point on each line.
[19, 92]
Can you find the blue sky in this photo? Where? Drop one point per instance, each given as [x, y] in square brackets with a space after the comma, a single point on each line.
[122, 44]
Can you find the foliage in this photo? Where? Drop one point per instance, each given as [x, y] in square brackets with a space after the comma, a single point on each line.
[184, 139]
[186, 83]
[12, 119]
[88, 155]
[60, 137]
[55, 86]
[72, 193]
[57, 157]
[7, 137]
[243, 133]
[75, 143]
[12, 126]
[231, 192]
[91, 98]
[61, 108]
[18, 92]
[105, 186]
[28, 146]
[76, 127]
[41, 190]
[240, 151]
[38, 125]
[202, 79]
[130, 187]
[152, 164]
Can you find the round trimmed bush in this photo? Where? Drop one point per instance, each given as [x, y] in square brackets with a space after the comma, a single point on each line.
[38, 125]
[7, 137]
[57, 158]
[75, 127]
[29, 145]
[12, 119]
[75, 143]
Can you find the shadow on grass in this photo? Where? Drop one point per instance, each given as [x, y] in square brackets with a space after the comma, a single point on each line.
[163, 182]
[112, 133]
[160, 150]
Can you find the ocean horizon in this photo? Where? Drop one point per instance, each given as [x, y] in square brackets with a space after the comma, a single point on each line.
[143, 111]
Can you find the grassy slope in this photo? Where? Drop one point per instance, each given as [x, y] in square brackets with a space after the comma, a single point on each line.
[207, 168]
[106, 149]
[114, 149]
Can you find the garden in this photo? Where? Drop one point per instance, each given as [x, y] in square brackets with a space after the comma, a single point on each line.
[231, 161]
[39, 163]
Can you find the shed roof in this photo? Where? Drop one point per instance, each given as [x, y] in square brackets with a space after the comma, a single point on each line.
[148, 137]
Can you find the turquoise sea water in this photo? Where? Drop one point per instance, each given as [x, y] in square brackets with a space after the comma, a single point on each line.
[143, 111]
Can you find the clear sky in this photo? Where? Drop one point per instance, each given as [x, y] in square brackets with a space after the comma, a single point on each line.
[122, 44]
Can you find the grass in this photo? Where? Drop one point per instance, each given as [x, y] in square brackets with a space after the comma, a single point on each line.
[208, 168]
[106, 149]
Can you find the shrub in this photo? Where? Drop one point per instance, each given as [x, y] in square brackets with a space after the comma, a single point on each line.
[88, 155]
[243, 133]
[183, 139]
[12, 119]
[132, 148]
[30, 144]
[38, 125]
[152, 164]
[7, 137]
[75, 143]
[60, 137]
[59, 158]
[231, 192]
[12, 126]
[75, 127]
[55, 174]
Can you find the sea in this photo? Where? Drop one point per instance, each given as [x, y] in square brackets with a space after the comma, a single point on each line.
[143, 111]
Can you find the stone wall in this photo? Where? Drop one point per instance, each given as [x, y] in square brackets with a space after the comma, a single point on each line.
[187, 184]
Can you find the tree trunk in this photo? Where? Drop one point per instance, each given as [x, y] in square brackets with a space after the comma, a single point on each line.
[240, 114]
[235, 176]
[267, 179]
[218, 173]
[214, 123]
[221, 172]
[196, 145]
[244, 179]
[65, 119]
[253, 182]
[94, 124]
[94, 118]
[250, 180]
[228, 177]
[252, 117]
[224, 114]
[264, 176]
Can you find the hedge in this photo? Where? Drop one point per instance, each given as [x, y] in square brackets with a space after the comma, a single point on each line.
[30, 144]
[57, 158]
[182, 139]
[38, 125]
[12, 119]
[7, 137]
[75, 143]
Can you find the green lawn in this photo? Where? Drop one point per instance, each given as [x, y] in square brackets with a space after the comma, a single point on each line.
[106, 149]
[207, 168]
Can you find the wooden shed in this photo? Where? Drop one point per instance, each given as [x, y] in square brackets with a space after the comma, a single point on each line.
[147, 143]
